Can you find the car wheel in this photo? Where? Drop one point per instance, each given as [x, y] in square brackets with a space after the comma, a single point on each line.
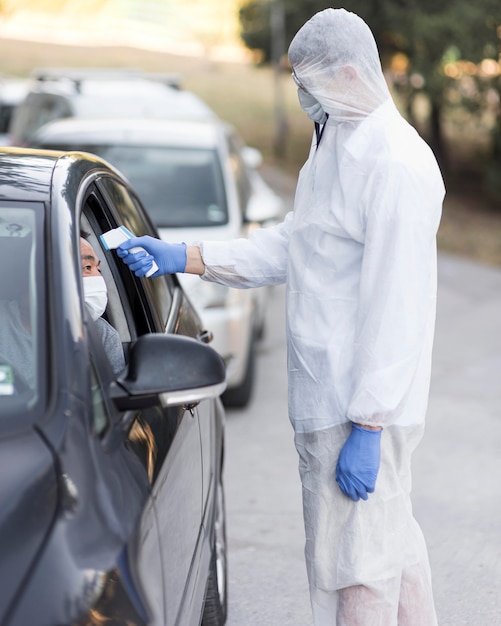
[240, 395]
[216, 600]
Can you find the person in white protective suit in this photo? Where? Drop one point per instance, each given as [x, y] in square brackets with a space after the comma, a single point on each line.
[358, 257]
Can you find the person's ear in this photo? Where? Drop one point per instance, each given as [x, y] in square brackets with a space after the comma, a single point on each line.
[349, 73]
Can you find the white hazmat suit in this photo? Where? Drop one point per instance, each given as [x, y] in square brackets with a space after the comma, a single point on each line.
[358, 257]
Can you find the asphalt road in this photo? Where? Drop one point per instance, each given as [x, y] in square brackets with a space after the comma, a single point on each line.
[267, 578]
[457, 468]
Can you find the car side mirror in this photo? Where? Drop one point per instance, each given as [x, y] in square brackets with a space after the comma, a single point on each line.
[170, 370]
[252, 157]
[264, 208]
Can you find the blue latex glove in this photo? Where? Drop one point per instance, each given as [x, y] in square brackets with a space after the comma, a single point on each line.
[311, 106]
[170, 257]
[358, 463]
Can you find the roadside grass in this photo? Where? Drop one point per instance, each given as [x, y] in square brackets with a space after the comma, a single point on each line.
[245, 96]
[471, 221]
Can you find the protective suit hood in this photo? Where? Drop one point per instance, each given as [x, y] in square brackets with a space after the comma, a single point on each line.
[335, 58]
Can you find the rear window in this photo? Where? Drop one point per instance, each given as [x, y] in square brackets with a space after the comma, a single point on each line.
[179, 187]
[6, 111]
[21, 314]
[36, 110]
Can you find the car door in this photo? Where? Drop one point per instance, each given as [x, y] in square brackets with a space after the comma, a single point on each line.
[168, 437]
[123, 464]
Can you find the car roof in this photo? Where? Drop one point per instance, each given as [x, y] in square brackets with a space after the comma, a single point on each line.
[27, 174]
[132, 96]
[72, 131]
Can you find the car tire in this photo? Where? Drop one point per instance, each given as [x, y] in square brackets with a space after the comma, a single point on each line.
[216, 598]
[240, 395]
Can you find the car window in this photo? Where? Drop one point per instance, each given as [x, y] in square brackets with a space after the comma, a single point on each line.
[179, 187]
[116, 313]
[101, 375]
[157, 290]
[22, 307]
[12, 93]
[6, 111]
[34, 112]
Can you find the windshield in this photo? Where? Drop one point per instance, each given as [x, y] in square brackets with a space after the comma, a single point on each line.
[20, 315]
[179, 187]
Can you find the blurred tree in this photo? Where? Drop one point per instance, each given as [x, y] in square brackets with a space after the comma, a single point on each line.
[422, 35]
[431, 33]
[255, 27]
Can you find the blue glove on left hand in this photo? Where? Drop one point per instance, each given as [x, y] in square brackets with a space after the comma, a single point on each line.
[358, 463]
[170, 257]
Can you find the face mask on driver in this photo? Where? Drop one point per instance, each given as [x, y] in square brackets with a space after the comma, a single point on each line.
[95, 295]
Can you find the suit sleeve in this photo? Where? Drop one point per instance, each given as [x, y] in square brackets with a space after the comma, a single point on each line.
[254, 262]
[397, 299]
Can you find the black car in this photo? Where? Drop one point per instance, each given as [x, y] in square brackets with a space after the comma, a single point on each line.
[111, 491]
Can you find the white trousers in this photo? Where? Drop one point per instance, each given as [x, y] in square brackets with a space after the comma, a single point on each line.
[367, 561]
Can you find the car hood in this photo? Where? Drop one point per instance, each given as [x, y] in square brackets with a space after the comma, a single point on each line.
[28, 503]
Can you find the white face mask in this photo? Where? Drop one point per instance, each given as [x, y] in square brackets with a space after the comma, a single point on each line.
[95, 295]
[311, 106]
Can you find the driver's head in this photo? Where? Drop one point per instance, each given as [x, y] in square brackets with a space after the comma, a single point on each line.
[95, 291]
[89, 259]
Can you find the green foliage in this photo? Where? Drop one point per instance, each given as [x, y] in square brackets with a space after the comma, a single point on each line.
[492, 178]
[430, 33]
[422, 29]
[255, 21]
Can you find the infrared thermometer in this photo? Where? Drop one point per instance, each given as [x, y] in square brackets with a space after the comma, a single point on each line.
[114, 237]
